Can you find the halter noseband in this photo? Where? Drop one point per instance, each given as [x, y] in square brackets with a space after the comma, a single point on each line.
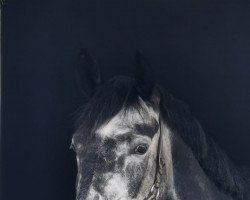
[155, 189]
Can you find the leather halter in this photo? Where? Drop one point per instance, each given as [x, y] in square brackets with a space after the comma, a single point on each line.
[155, 189]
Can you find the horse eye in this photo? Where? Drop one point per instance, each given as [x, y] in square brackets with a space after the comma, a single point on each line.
[141, 149]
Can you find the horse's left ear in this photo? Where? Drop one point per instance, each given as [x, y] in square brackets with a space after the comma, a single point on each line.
[87, 74]
[144, 77]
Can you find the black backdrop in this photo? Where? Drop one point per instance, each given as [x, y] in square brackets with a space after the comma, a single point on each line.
[199, 49]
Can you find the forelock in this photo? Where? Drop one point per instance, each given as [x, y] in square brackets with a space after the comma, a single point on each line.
[119, 93]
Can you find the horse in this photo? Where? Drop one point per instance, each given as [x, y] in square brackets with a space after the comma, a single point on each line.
[135, 141]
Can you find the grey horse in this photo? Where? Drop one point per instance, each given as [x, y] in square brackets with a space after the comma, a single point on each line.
[134, 140]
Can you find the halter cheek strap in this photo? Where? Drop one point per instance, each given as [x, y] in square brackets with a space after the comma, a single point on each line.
[155, 189]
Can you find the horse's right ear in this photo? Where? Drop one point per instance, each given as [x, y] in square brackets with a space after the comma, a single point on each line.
[87, 74]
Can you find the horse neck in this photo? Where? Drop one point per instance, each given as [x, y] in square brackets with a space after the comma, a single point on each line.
[189, 179]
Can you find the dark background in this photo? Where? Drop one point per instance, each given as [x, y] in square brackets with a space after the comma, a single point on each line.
[199, 49]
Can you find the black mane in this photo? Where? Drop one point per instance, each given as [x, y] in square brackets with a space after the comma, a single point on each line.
[121, 92]
[212, 159]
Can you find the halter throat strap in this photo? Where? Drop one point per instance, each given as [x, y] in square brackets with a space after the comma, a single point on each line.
[155, 189]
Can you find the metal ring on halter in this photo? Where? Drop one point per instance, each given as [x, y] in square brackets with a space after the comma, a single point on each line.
[158, 193]
[152, 188]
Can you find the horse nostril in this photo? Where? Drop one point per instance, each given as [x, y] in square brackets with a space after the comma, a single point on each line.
[96, 197]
